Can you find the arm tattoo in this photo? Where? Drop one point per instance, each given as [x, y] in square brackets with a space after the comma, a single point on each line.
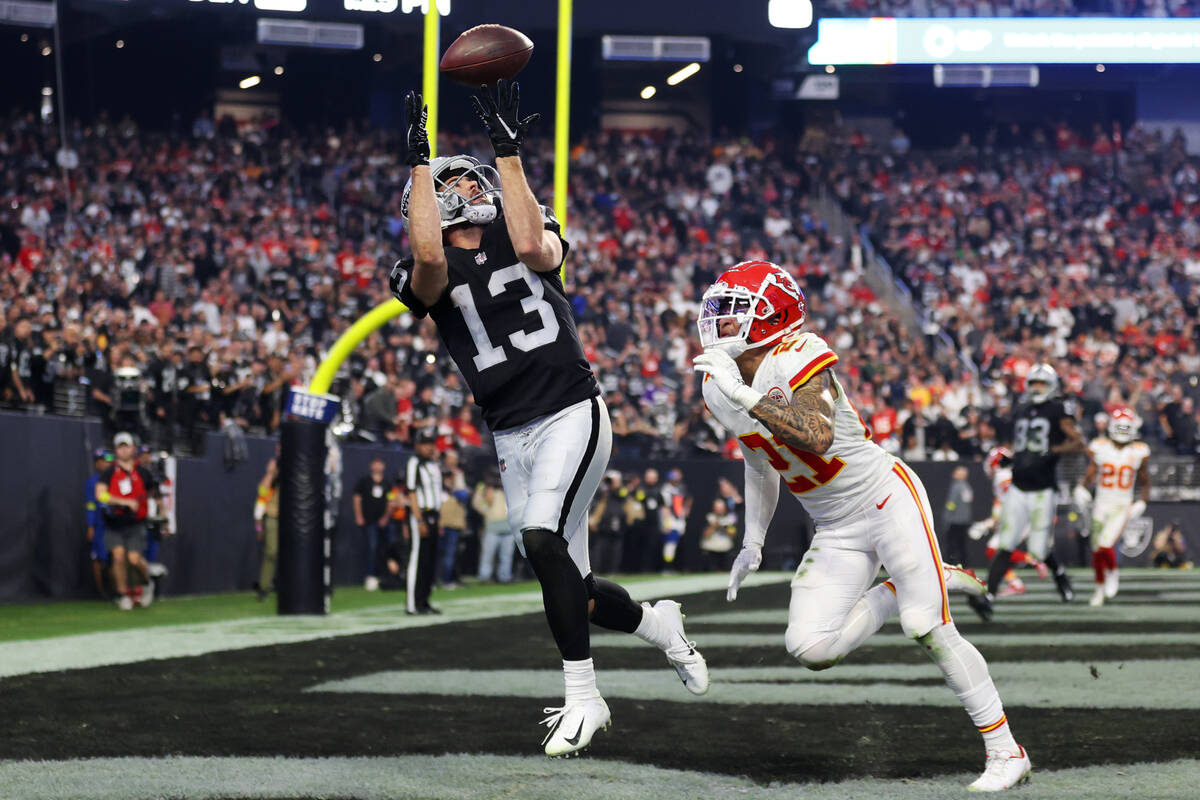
[806, 422]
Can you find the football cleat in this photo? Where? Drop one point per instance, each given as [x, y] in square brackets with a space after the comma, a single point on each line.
[573, 725]
[125, 603]
[146, 596]
[1112, 583]
[982, 605]
[1097, 597]
[1004, 770]
[963, 580]
[1064, 586]
[682, 653]
[1013, 585]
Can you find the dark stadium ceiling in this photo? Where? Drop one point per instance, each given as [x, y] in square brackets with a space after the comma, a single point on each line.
[745, 20]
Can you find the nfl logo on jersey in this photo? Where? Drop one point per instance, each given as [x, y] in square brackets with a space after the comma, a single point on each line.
[481, 258]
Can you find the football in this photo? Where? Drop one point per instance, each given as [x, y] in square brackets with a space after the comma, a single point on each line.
[485, 54]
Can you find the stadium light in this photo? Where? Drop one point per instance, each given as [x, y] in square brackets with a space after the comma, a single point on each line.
[683, 74]
[1099, 68]
[377, 57]
[279, 70]
[250, 82]
[790, 13]
[120, 44]
[649, 92]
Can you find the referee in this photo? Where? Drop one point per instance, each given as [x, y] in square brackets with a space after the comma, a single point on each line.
[423, 478]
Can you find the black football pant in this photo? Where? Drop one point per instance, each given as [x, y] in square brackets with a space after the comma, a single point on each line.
[422, 562]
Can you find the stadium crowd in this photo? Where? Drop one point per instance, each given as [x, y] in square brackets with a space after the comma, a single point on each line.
[205, 273]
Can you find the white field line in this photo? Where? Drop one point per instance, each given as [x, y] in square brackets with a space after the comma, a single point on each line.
[175, 641]
[1129, 684]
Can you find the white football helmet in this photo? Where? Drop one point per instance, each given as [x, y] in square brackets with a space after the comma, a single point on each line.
[448, 172]
[1041, 373]
[1123, 426]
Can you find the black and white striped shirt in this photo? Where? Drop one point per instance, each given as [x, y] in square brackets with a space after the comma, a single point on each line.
[425, 479]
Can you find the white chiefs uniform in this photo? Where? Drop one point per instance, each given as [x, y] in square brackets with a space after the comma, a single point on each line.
[1116, 473]
[869, 507]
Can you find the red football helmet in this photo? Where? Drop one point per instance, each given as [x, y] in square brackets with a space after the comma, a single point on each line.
[1123, 425]
[997, 457]
[762, 298]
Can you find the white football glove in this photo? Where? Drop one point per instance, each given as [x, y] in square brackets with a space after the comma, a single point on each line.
[1137, 509]
[724, 371]
[979, 529]
[1082, 497]
[747, 561]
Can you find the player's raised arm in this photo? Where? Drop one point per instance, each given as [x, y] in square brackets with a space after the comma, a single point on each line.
[430, 273]
[538, 248]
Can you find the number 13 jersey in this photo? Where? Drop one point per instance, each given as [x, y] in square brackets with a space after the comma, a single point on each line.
[831, 485]
[509, 329]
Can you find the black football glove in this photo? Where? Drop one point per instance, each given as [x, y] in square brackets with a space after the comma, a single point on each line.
[504, 125]
[418, 137]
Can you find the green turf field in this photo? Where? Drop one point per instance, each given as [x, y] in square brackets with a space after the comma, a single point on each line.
[214, 697]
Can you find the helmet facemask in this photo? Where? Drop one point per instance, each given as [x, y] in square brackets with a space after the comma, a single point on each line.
[451, 172]
[1123, 428]
[728, 303]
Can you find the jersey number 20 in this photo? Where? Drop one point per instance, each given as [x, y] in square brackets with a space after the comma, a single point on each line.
[490, 355]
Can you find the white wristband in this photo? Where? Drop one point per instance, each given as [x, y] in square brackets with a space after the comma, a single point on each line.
[746, 397]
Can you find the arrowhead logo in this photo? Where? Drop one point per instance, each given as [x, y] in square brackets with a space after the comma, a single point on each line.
[574, 740]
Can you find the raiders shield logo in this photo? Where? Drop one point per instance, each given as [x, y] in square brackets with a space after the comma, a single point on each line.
[777, 395]
[481, 258]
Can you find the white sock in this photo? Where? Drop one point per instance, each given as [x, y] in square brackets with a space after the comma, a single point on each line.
[580, 680]
[651, 629]
[967, 675]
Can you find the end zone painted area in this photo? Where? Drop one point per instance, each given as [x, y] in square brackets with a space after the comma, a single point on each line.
[478, 777]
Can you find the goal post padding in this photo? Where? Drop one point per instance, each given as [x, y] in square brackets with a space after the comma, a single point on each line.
[300, 576]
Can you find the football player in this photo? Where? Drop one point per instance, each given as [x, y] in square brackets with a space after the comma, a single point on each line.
[485, 267]
[997, 465]
[774, 386]
[1043, 429]
[1119, 464]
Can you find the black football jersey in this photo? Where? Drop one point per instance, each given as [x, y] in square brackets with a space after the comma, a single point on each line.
[1036, 428]
[509, 329]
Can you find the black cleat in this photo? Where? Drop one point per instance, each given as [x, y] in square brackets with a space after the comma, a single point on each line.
[1064, 586]
[982, 605]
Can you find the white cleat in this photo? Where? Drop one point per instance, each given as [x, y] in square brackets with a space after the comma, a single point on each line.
[573, 725]
[1004, 771]
[1097, 597]
[1112, 582]
[125, 603]
[959, 579]
[147, 596]
[682, 653]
